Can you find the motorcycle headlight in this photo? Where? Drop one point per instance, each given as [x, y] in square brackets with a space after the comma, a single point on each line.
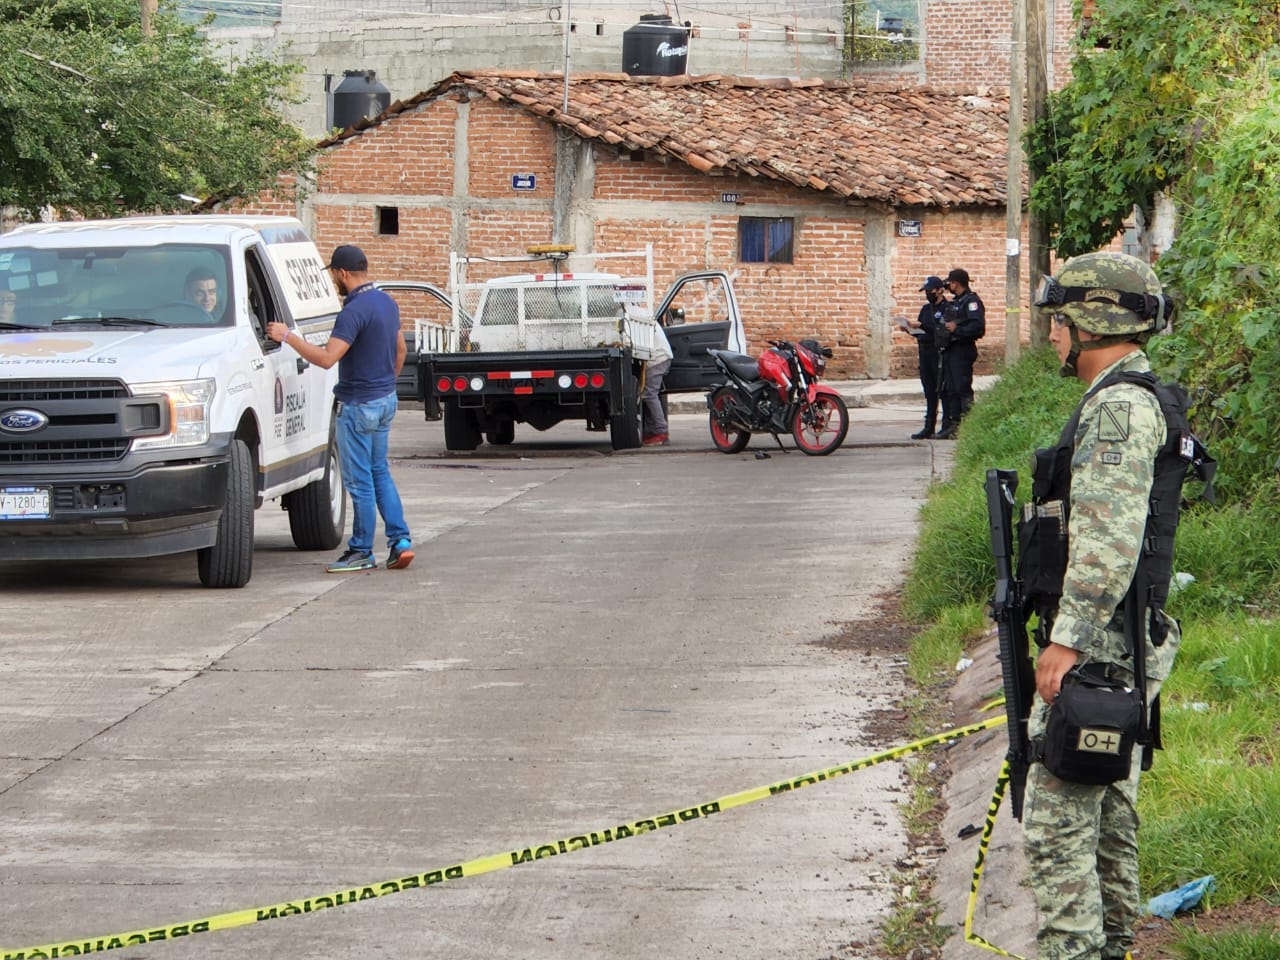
[189, 405]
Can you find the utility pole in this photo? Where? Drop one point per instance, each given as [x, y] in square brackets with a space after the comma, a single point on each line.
[1013, 188]
[148, 11]
[1037, 108]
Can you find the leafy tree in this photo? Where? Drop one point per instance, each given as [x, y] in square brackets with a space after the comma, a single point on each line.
[1184, 98]
[96, 118]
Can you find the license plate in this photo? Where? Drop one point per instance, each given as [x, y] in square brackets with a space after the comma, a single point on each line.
[24, 503]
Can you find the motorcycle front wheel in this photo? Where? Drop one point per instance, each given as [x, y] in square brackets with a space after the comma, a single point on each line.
[821, 426]
[726, 435]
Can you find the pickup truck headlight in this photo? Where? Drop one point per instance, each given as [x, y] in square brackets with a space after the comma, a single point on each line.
[189, 404]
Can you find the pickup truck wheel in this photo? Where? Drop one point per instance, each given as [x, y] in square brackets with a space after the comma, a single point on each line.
[624, 430]
[318, 512]
[502, 433]
[229, 562]
[461, 429]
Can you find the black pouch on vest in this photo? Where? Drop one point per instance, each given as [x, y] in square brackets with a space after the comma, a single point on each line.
[1042, 553]
[1091, 731]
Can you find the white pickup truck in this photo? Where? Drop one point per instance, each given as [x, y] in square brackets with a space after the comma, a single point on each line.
[135, 422]
[569, 343]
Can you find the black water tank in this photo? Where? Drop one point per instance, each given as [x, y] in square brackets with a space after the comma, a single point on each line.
[655, 47]
[358, 97]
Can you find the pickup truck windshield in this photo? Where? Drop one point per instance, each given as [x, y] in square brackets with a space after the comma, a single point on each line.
[170, 285]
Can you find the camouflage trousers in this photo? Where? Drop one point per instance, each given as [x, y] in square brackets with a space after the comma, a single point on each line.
[1081, 846]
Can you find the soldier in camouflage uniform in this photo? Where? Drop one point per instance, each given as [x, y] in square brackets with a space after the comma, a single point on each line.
[1081, 840]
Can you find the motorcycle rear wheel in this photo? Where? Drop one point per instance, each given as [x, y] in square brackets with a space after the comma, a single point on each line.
[821, 426]
[728, 439]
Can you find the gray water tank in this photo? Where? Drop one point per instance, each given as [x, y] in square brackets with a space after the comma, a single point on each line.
[655, 47]
[358, 97]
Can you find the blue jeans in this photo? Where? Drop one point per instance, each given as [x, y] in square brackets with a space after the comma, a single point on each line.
[363, 429]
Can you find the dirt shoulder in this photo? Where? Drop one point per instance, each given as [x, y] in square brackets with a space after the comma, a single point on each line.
[1005, 912]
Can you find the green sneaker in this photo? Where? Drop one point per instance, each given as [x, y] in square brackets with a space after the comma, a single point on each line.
[353, 561]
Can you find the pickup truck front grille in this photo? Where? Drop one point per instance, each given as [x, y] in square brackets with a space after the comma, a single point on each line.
[85, 423]
[34, 391]
[85, 451]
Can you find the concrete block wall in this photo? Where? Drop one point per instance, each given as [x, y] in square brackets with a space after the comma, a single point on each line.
[356, 11]
[415, 54]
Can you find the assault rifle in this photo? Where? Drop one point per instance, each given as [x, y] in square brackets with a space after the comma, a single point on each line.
[1008, 610]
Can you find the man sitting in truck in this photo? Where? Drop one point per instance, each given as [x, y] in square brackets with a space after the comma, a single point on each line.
[201, 289]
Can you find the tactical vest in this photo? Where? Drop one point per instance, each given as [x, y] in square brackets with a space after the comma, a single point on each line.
[1042, 533]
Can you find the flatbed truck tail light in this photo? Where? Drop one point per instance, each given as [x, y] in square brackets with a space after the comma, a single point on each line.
[597, 380]
[459, 383]
[444, 384]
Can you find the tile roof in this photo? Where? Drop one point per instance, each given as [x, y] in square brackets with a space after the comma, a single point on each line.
[903, 146]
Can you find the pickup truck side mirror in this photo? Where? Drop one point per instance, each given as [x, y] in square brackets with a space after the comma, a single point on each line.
[675, 315]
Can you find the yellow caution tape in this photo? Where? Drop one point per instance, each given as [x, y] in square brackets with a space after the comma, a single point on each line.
[471, 868]
[997, 797]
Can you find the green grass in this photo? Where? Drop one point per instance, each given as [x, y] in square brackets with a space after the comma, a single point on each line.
[936, 649]
[1239, 945]
[1211, 804]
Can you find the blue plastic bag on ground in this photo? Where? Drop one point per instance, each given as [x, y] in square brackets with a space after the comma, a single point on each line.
[1184, 898]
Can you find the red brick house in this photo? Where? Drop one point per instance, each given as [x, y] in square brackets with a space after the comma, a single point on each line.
[828, 201]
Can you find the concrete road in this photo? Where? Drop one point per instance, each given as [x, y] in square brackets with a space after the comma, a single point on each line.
[585, 639]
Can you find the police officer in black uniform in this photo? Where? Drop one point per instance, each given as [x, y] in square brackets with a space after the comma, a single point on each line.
[966, 323]
[927, 322]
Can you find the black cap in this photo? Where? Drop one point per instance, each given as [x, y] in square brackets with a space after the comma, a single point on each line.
[958, 276]
[932, 283]
[347, 257]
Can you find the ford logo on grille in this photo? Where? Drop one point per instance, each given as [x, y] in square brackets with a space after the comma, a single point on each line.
[23, 421]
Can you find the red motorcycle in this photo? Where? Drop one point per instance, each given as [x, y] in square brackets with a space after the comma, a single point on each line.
[777, 394]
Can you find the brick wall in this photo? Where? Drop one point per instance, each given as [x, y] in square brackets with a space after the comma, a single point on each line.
[409, 163]
[502, 141]
[968, 239]
[413, 156]
[967, 42]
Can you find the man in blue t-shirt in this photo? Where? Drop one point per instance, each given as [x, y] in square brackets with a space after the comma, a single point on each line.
[367, 345]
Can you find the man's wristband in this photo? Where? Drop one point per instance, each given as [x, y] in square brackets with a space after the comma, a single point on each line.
[286, 337]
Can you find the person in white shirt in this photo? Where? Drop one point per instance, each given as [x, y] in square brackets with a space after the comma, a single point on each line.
[653, 422]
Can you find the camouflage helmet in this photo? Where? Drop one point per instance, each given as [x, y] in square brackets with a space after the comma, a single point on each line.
[1108, 294]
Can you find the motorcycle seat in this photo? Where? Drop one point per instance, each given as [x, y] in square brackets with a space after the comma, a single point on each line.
[739, 364]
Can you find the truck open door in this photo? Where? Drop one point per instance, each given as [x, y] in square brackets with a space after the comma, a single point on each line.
[425, 315]
[699, 311]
